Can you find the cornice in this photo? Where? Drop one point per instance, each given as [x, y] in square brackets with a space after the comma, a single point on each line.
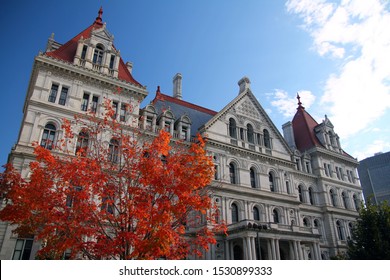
[90, 74]
[236, 149]
[326, 152]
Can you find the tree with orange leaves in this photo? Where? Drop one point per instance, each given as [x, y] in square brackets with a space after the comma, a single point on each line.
[113, 192]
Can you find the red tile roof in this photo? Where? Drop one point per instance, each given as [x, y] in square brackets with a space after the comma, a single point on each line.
[303, 126]
[163, 97]
[68, 50]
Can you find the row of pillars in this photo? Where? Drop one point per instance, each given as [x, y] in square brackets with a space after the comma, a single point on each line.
[250, 250]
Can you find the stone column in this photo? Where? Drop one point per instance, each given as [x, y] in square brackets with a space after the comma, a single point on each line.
[291, 250]
[273, 249]
[254, 251]
[300, 252]
[249, 248]
[227, 252]
[296, 255]
[277, 249]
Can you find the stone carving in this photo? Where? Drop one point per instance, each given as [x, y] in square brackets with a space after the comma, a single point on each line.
[247, 109]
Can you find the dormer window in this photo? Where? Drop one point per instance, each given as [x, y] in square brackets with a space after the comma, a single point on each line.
[84, 52]
[98, 55]
[183, 128]
[112, 61]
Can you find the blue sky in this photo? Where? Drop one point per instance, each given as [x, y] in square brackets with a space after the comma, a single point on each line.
[336, 54]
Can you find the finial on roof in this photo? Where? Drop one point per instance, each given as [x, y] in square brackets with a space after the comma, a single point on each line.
[299, 102]
[99, 17]
[158, 89]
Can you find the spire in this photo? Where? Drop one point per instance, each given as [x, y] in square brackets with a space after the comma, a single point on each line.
[99, 20]
[299, 102]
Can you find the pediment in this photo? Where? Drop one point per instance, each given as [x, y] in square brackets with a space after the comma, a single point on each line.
[102, 34]
[245, 109]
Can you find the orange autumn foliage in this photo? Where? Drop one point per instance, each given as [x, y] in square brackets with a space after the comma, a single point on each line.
[139, 197]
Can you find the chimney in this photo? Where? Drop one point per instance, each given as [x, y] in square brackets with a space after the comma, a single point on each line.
[177, 93]
[50, 41]
[244, 84]
[129, 66]
[288, 133]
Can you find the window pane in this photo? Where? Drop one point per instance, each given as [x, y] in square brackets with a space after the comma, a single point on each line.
[95, 101]
[84, 103]
[53, 93]
[63, 96]
[27, 249]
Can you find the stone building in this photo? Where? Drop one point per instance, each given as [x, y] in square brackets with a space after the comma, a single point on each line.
[282, 197]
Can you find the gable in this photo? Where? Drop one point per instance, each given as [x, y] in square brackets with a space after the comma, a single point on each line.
[248, 114]
[102, 35]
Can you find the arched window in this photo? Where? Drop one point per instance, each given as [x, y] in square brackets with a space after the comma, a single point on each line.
[233, 173]
[276, 217]
[82, 142]
[345, 199]
[234, 213]
[232, 128]
[316, 223]
[256, 214]
[300, 193]
[48, 136]
[340, 231]
[267, 140]
[250, 135]
[252, 173]
[332, 197]
[311, 196]
[98, 55]
[271, 180]
[113, 151]
[306, 222]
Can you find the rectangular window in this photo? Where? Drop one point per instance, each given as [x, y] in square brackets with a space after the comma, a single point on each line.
[22, 249]
[63, 96]
[339, 173]
[149, 122]
[95, 102]
[326, 169]
[84, 102]
[112, 61]
[184, 133]
[308, 170]
[53, 93]
[84, 52]
[122, 116]
[298, 163]
[115, 107]
[71, 199]
[330, 170]
[167, 126]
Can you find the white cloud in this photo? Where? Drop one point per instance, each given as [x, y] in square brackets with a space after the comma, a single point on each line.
[357, 34]
[287, 104]
[375, 147]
